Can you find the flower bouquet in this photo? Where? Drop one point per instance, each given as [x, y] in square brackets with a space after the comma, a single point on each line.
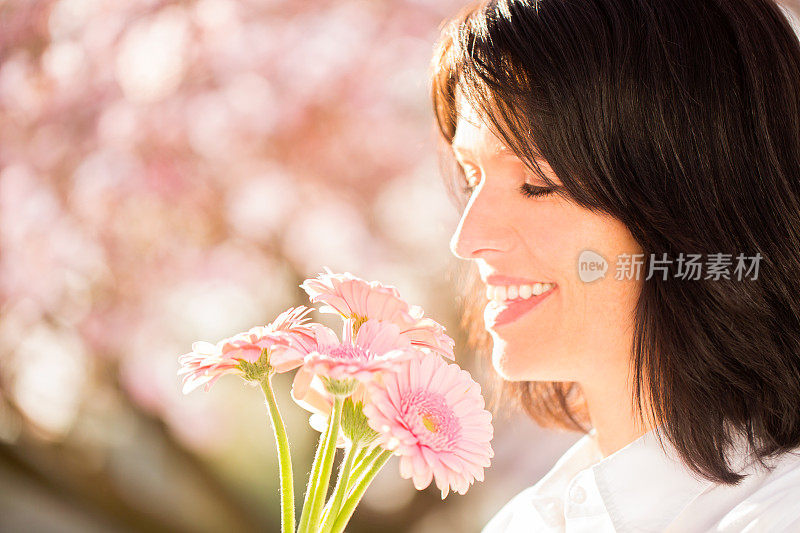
[382, 389]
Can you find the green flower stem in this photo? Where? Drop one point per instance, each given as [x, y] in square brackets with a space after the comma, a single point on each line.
[312, 482]
[284, 457]
[362, 459]
[332, 509]
[361, 464]
[358, 491]
[362, 452]
[321, 471]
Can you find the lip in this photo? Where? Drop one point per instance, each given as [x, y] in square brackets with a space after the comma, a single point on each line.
[499, 314]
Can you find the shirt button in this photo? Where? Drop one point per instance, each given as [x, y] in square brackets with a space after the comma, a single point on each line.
[577, 494]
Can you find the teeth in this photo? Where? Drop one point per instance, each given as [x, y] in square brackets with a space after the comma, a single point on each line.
[525, 291]
[500, 293]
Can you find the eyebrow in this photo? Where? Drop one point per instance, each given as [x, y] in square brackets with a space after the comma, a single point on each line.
[499, 150]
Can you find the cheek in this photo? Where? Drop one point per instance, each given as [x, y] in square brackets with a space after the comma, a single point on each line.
[585, 246]
[597, 307]
[605, 306]
[588, 328]
[610, 305]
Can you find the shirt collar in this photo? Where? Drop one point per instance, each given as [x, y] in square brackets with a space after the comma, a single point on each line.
[640, 476]
[642, 485]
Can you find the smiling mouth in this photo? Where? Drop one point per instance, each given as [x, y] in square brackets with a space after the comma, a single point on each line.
[501, 312]
[504, 293]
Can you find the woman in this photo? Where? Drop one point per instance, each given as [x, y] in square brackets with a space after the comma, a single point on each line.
[631, 172]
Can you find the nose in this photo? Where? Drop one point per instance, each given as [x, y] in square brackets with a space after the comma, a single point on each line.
[482, 228]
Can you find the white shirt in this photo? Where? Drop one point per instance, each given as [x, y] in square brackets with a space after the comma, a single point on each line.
[640, 488]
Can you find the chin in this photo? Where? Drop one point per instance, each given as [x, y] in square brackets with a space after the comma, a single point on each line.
[517, 365]
[506, 365]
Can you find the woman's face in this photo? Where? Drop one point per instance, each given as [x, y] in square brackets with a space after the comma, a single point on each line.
[575, 331]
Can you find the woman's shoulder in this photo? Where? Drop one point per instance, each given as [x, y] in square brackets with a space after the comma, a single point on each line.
[767, 499]
[525, 507]
[775, 502]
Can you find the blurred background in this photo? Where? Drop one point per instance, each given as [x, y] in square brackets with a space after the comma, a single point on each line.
[171, 171]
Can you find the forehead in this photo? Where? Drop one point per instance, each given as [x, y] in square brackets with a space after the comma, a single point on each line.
[472, 133]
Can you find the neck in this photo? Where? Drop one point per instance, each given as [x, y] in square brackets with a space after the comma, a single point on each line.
[612, 412]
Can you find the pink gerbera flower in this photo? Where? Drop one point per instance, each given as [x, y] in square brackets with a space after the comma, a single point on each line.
[207, 362]
[289, 351]
[376, 347]
[428, 334]
[355, 298]
[431, 413]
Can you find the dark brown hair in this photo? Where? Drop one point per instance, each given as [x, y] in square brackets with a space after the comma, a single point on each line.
[682, 120]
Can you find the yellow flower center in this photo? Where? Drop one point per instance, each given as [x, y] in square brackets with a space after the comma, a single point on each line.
[430, 423]
[358, 321]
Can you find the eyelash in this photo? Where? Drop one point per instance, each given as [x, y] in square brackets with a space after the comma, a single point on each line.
[532, 191]
[526, 189]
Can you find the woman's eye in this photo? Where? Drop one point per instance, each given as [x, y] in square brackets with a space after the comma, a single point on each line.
[472, 175]
[535, 191]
